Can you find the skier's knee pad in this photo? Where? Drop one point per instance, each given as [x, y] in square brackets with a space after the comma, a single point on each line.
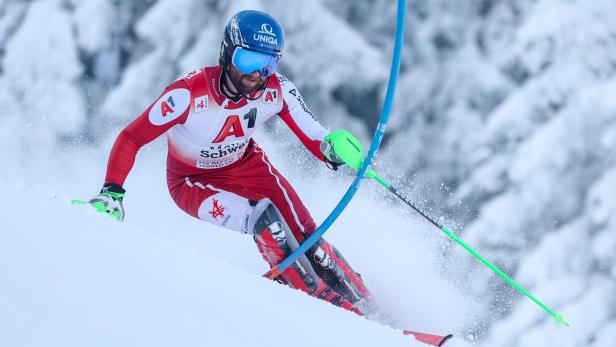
[227, 210]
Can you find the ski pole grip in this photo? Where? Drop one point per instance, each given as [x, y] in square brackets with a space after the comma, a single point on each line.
[349, 149]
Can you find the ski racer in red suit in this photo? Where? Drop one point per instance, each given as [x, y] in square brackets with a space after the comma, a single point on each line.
[215, 170]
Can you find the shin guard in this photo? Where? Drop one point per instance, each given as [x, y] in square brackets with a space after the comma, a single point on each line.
[275, 241]
[331, 266]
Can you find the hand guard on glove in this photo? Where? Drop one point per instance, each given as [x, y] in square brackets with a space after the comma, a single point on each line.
[109, 201]
[341, 147]
[331, 159]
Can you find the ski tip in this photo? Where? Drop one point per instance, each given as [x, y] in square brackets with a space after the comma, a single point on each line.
[445, 339]
[429, 339]
[78, 202]
[272, 273]
[560, 319]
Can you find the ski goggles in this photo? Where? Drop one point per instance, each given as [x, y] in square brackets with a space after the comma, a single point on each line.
[249, 61]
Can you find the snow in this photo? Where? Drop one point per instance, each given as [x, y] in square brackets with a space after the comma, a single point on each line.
[202, 50]
[105, 284]
[93, 23]
[154, 28]
[73, 277]
[36, 58]
[10, 18]
[138, 79]
[504, 129]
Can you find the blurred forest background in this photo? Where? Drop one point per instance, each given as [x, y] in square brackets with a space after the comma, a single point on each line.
[504, 124]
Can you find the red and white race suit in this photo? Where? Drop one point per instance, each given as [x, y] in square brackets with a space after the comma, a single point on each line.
[210, 148]
[214, 167]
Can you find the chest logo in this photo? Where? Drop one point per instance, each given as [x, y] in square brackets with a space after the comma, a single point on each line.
[232, 127]
[202, 103]
[270, 96]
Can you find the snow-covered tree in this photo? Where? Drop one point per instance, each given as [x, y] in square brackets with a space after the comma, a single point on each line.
[504, 124]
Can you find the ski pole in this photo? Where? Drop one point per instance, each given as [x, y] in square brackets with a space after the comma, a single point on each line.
[557, 317]
[351, 153]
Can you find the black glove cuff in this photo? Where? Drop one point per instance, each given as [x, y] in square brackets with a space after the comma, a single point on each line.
[332, 164]
[112, 187]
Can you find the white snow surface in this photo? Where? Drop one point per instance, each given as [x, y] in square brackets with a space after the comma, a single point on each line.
[72, 277]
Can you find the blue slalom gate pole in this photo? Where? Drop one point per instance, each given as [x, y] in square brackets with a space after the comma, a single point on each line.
[374, 146]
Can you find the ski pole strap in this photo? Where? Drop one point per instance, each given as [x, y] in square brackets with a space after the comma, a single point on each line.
[376, 142]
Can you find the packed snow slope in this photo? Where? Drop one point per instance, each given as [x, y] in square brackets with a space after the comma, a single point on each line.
[88, 281]
[72, 277]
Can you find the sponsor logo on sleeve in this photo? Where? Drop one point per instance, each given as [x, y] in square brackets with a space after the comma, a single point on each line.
[202, 103]
[301, 102]
[270, 96]
[191, 74]
[170, 106]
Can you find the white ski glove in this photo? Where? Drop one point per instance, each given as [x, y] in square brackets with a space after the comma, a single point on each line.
[109, 201]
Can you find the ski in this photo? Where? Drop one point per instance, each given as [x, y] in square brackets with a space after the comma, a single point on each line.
[434, 340]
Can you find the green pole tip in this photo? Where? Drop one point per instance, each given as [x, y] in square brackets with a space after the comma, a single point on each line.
[78, 202]
[560, 319]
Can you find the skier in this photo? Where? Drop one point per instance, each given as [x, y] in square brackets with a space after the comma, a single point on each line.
[215, 170]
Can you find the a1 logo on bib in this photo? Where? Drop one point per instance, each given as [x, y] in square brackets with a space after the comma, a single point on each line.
[270, 96]
[170, 106]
